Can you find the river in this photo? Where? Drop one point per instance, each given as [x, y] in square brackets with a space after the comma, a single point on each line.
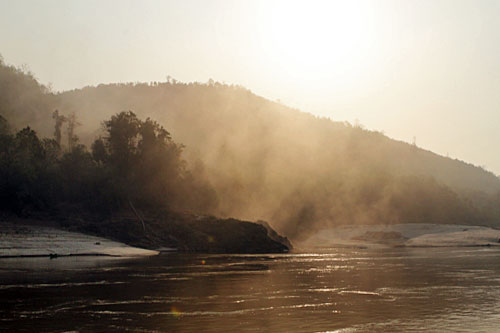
[332, 290]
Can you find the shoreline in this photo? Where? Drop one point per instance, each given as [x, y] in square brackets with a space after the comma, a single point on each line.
[55, 255]
[123, 235]
[24, 240]
[410, 235]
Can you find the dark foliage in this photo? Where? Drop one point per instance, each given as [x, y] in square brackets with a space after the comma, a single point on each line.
[136, 164]
[249, 158]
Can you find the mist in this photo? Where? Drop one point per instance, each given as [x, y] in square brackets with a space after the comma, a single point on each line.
[265, 161]
[300, 172]
[263, 165]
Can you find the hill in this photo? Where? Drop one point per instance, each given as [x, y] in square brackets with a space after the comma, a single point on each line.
[267, 161]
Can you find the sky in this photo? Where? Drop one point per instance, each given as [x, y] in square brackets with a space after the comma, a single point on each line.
[427, 70]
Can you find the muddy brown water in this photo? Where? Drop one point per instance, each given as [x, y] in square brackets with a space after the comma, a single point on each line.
[339, 290]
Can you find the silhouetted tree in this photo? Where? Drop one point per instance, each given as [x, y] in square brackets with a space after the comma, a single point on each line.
[72, 138]
[59, 120]
[99, 153]
[147, 164]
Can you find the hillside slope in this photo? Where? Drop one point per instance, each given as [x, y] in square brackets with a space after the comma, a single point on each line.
[267, 161]
[211, 118]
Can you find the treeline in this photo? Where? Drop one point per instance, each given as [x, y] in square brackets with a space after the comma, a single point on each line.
[135, 164]
[23, 100]
[249, 157]
[300, 172]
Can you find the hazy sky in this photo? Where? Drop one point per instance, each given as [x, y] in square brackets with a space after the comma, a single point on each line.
[429, 69]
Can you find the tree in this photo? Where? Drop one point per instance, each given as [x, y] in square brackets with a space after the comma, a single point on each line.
[72, 138]
[121, 140]
[145, 162]
[59, 120]
[99, 153]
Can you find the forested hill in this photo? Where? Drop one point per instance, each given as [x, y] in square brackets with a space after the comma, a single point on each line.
[23, 100]
[267, 161]
[210, 118]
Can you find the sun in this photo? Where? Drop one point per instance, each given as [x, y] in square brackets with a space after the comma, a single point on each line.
[318, 39]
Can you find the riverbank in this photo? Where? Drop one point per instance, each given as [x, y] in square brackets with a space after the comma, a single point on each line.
[405, 235]
[31, 240]
[169, 231]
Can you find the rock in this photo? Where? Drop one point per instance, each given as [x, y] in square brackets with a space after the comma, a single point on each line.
[183, 232]
[274, 235]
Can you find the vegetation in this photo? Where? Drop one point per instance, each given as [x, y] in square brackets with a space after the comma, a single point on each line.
[23, 101]
[245, 157]
[135, 163]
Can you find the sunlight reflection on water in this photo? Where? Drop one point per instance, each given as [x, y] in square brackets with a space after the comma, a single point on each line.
[344, 290]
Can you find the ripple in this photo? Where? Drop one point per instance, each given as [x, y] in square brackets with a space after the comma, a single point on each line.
[178, 313]
[64, 284]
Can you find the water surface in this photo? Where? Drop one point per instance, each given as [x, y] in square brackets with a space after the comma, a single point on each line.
[344, 290]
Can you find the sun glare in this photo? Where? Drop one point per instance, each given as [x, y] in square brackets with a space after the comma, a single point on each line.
[318, 39]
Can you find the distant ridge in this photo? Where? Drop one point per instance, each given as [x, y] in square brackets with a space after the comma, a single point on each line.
[271, 162]
[182, 107]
